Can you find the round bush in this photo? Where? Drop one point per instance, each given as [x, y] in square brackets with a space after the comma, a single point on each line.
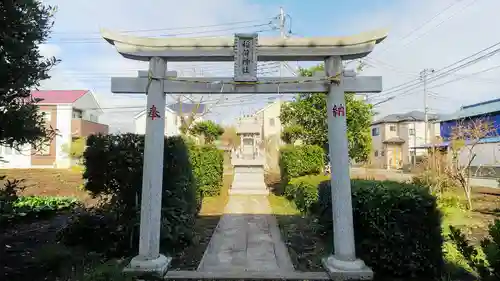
[397, 227]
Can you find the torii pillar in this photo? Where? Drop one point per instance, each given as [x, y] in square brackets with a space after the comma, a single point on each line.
[344, 261]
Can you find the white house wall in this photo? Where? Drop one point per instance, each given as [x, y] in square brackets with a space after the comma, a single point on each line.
[12, 159]
[171, 128]
[272, 112]
[64, 137]
[140, 124]
[88, 104]
[487, 154]
[171, 124]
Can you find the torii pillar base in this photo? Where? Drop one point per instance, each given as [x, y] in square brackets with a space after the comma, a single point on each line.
[339, 270]
[140, 266]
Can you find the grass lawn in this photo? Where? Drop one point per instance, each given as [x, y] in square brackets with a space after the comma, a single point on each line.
[486, 207]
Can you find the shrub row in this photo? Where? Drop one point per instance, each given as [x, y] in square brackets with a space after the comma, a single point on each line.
[208, 168]
[303, 191]
[297, 161]
[113, 170]
[397, 225]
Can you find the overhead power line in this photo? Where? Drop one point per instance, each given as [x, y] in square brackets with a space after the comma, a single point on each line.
[439, 24]
[173, 28]
[445, 71]
[214, 103]
[99, 40]
[465, 76]
[419, 27]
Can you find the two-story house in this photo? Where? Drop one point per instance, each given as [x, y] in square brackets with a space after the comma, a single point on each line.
[73, 113]
[173, 113]
[397, 138]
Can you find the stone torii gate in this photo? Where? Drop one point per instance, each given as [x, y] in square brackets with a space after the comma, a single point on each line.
[246, 50]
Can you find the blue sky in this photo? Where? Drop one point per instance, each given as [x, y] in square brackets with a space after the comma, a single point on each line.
[88, 62]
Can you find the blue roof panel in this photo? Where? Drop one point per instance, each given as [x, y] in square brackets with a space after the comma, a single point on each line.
[482, 108]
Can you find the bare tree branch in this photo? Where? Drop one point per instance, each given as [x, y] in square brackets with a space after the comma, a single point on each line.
[466, 136]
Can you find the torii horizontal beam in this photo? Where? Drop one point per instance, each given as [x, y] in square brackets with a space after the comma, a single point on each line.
[266, 85]
[222, 48]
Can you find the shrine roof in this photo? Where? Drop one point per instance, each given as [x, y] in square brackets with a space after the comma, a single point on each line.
[58, 96]
[222, 48]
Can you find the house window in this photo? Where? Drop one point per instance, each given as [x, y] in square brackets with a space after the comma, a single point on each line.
[271, 122]
[376, 153]
[375, 131]
[382, 153]
[392, 128]
[411, 132]
[77, 114]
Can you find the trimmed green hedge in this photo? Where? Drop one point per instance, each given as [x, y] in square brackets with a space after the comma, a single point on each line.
[303, 191]
[397, 225]
[208, 168]
[113, 169]
[297, 161]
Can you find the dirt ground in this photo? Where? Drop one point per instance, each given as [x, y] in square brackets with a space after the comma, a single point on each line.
[486, 208]
[50, 182]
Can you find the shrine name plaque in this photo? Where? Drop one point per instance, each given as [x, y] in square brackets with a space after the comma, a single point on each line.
[245, 57]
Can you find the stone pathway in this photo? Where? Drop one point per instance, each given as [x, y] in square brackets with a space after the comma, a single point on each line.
[247, 239]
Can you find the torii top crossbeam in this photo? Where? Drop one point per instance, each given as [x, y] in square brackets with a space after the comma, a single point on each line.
[222, 48]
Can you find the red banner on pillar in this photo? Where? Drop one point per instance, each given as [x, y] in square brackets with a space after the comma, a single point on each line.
[338, 110]
[153, 113]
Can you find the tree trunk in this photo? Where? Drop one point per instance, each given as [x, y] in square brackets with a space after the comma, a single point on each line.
[468, 195]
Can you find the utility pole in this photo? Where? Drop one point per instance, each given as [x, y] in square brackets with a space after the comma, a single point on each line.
[423, 76]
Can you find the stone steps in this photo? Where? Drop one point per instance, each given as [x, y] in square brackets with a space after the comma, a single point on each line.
[259, 179]
[248, 184]
[248, 178]
[254, 191]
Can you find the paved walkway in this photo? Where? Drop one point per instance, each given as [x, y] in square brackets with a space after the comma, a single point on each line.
[247, 239]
